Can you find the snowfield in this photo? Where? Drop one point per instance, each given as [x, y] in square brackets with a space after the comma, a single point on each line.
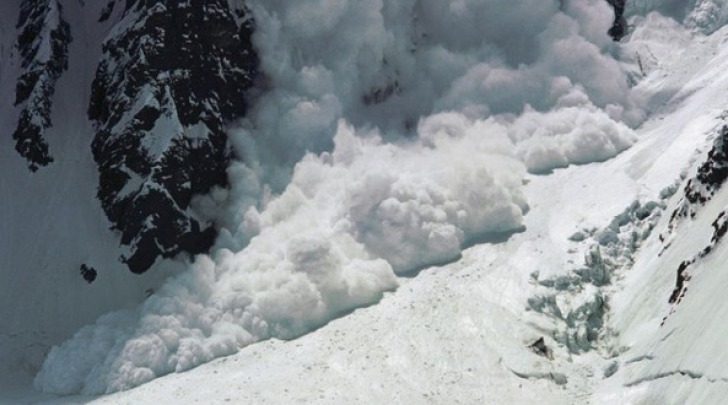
[539, 271]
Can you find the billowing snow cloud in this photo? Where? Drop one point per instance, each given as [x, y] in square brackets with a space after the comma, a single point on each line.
[386, 64]
[348, 222]
[391, 134]
[545, 141]
[704, 16]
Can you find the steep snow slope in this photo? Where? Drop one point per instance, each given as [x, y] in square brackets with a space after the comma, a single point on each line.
[675, 346]
[461, 333]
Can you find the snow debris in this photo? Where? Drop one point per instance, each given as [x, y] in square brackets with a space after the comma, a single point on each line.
[580, 298]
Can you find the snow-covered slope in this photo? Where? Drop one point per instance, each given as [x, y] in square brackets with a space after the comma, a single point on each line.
[671, 310]
[565, 300]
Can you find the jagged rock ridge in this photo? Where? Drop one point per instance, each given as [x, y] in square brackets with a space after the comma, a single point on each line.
[171, 76]
[43, 38]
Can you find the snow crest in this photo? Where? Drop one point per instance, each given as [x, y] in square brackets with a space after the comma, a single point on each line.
[391, 135]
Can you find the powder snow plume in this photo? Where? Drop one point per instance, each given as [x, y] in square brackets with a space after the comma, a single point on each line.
[390, 134]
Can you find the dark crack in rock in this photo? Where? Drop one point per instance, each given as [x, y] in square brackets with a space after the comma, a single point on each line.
[171, 76]
[43, 38]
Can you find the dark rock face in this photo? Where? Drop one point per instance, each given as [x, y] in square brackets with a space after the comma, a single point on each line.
[713, 173]
[170, 78]
[710, 177]
[89, 274]
[43, 38]
[619, 27]
[683, 276]
[107, 10]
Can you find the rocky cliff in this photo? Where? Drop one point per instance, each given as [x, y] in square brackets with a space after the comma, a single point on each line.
[171, 76]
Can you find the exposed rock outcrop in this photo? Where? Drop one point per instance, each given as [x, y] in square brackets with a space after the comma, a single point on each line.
[171, 76]
[699, 191]
[43, 38]
[710, 177]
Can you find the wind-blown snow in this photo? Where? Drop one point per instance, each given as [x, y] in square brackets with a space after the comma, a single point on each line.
[391, 134]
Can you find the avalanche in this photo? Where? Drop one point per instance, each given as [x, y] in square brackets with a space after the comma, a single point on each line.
[391, 197]
[424, 161]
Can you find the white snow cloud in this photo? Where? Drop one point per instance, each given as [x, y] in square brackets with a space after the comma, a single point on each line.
[347, 223]
[704, 16]
[545, 141]
[391, 135]
[386, 64]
